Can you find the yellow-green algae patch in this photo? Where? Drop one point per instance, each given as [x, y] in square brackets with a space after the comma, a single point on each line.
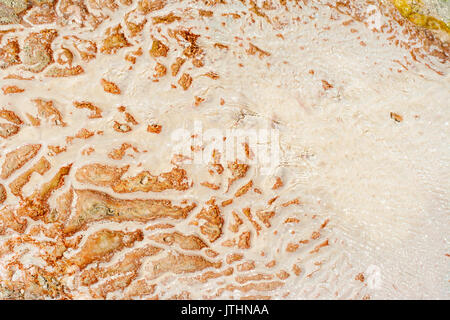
[414, 11]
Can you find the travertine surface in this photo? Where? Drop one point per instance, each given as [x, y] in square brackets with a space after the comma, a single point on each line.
[97, 201]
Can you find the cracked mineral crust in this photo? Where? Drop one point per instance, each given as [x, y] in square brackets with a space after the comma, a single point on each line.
[278, 149]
